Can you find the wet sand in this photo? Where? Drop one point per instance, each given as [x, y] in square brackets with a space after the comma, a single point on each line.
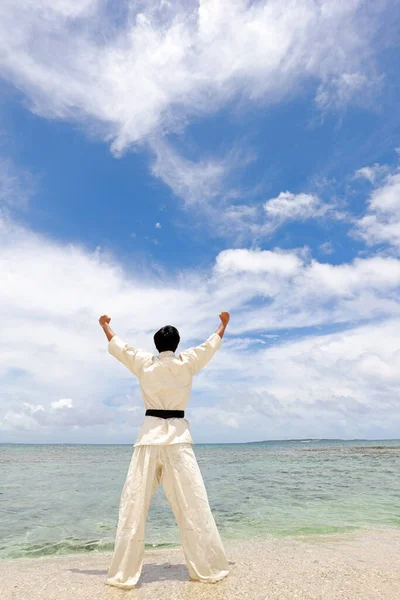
[353, 566]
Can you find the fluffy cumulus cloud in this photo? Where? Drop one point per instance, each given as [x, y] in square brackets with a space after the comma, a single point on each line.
[381, 222]
[292, 206]
[62, 403]
[295, 207]
[344, 383]
[262, 262]
[152, 66]
[294, 290]
[59, 383]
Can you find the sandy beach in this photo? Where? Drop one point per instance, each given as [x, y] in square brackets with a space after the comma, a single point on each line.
[358, 565]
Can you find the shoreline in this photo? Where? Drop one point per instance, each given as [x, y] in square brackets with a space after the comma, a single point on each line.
[357, 565]
[302, 535]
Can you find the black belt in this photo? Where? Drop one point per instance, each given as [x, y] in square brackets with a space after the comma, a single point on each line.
[165, 414]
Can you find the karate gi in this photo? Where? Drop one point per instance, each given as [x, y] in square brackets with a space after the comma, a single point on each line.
[163, 453]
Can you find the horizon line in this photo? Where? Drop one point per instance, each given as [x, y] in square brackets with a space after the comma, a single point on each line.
[206, 443]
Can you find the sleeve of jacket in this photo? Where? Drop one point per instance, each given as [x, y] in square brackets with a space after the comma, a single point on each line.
[198, 356]
[133, 358]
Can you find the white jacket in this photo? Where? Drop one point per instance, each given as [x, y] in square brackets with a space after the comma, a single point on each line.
[166, 383]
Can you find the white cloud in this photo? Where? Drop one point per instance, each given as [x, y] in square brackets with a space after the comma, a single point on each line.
[332, 384]
[294, 290]
[259, 221]
[32, 408]
[343, 384]
[346, 382]
[16, 421]
[372, 173]
[164, 65]
[62, 403]
[294, 206]
[381, 222]
[300, 207]
[274, 263]
[158, 225]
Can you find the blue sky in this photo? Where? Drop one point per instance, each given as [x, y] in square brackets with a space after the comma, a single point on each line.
[166, 161]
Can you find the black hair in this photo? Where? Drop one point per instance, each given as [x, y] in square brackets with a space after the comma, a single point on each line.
[167, 338]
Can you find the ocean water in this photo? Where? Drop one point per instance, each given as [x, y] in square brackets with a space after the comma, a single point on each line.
[64, 499]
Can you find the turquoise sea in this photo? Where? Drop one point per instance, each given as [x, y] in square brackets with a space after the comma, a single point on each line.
[64, 498]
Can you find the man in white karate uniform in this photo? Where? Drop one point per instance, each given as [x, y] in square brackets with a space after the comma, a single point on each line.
[163, 453]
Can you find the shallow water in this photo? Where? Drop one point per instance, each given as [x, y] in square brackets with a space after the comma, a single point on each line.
[62, 499]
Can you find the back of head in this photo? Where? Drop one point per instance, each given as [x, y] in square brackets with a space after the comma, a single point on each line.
[167, 338]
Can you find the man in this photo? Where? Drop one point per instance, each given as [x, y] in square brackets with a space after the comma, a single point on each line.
[164, 454]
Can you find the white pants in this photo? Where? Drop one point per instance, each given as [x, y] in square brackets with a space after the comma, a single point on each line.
[176, 468]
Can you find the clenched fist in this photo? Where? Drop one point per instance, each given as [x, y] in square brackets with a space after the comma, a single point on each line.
[224, 316]
[104, 319]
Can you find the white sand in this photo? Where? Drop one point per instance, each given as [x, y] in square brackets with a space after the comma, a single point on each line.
[352, 566]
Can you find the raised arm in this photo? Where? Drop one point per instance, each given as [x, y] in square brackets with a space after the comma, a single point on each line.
[134, 359]
[198, 356]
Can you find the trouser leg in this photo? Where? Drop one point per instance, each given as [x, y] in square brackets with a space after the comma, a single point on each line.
[185, 491]
[141, 482]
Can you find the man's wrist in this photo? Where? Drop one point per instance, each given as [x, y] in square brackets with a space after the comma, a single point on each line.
[220, 330]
